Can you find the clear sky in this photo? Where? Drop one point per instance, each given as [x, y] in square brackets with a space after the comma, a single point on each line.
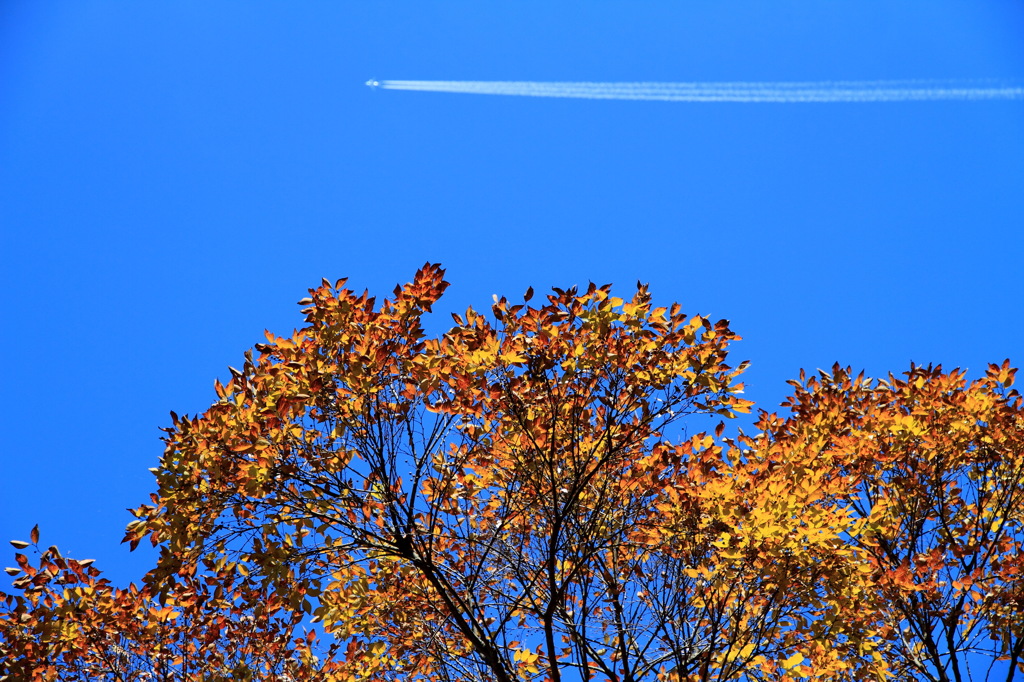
[174, 176]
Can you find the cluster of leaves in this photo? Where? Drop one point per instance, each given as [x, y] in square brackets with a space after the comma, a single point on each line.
[67, 623]
[934, 470]
[517, 500]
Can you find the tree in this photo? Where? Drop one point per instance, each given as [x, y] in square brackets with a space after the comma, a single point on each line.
[70, 624]
[519, 499]
[935, 467]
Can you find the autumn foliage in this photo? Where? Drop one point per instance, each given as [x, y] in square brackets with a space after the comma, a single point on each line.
[519, 499]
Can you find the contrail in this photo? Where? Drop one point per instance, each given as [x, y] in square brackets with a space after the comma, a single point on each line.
[821, 91]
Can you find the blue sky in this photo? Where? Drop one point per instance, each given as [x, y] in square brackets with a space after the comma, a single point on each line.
[174, 176]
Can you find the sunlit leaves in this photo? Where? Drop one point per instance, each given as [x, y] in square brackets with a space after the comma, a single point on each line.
[439, 494]
[517, 498]
[935, 477]
[67, 623]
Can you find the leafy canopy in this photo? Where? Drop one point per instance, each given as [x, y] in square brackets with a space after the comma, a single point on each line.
[518, 499]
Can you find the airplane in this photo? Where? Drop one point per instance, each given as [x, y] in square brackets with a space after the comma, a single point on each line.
[373, 83]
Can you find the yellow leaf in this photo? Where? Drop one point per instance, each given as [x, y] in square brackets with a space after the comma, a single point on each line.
[733, 653]
[793, 661]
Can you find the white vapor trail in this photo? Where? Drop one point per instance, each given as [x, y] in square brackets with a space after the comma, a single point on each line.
[823, 91]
